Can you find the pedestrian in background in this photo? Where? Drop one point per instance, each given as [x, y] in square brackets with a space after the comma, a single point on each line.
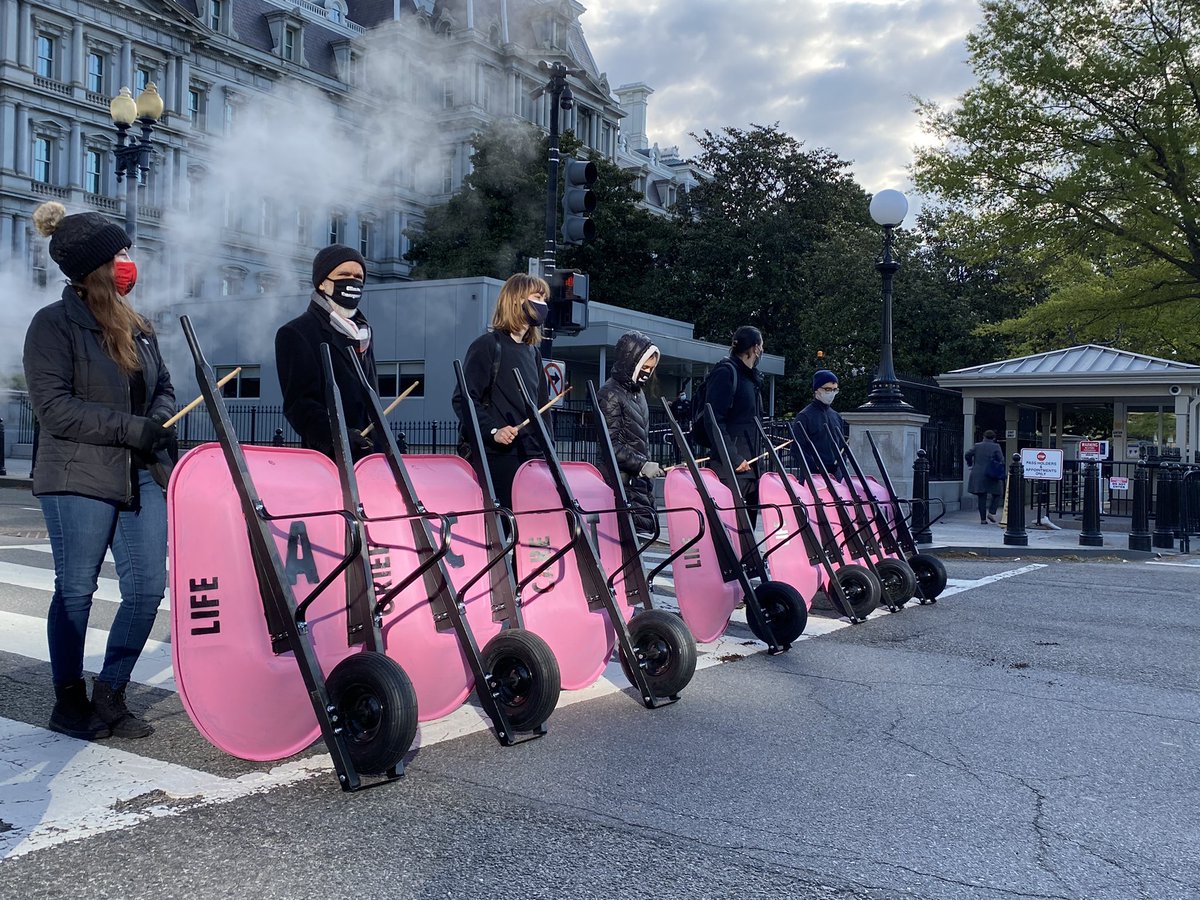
[623, 404]
[100, 391]
[510, 343]
[986, 481]
[681, 409]
[825, 428]
[333, 318]
[734, 391]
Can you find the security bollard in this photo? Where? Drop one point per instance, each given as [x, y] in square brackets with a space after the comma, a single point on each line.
[1164, 508]
[920, 509]
[1091, 536]
[1015, 534]
[1139, 533]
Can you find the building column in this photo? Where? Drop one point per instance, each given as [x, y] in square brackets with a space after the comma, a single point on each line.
[8, 135]
[1058, 425]
[771, 396]
[8, 33]
[75, 157]
[6, 233]
[78, 66]
[125, 71]
[1012, 423]
[603, 365]
[24, 36]
[968, 407]
[21, 163]
[170, 89]
[1119, 430]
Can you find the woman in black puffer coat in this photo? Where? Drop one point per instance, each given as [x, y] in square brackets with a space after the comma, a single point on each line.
[624, 406]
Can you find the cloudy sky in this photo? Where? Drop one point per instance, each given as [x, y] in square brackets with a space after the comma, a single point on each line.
[834, 73]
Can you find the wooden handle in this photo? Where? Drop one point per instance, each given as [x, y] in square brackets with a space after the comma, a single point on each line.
[702, 459]
[187, 409]
[545, 407]
[776, 449]
[408, 390]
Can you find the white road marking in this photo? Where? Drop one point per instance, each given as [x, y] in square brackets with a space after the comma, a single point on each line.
[39, 579]
[26, 636]
[54, 789]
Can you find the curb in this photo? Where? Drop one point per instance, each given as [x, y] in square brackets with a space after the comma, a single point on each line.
[1082, 553]
[16, 481]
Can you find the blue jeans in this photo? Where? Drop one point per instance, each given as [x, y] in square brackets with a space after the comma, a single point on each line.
[81, 530]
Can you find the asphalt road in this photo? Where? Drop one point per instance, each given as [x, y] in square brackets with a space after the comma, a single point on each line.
[1032, 737]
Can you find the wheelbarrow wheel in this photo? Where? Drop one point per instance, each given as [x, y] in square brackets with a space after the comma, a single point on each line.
[898, 581]
[931, 574]
[666, 649]
[784, 606]
[376, 705]
[861, 588]
[527, 677]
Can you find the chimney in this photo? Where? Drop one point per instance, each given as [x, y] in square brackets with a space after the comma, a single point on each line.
[632, 98]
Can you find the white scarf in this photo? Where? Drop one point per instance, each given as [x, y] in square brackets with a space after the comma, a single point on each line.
[340, 319]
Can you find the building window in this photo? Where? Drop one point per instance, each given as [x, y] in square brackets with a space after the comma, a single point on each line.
[268, 282]
[355, 74]
[141, 79]
[41, 160]
[396, 377]
[245, 385]
[303, 227]
[44, 63]
[290, 36]
[337, 229]
[447, 174]
[197, 102]
[230, 115]
[447, 93]
[215, 14]
[364, 238]
[93, 178]
[231, 281]
[266, 218]
[95, 72]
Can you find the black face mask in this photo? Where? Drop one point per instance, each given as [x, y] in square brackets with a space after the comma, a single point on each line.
[347, 292]
[536, 312]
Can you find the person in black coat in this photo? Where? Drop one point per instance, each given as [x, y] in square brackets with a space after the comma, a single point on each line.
[511, 343]
[332, 318]
[986, 460]
[734, 391]
[623, 404]
[818, 420]
[101, 393]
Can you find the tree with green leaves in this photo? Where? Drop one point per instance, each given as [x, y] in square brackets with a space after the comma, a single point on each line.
[1079, 152]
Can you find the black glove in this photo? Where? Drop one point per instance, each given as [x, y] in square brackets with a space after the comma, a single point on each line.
[154, 437]
[359, 442]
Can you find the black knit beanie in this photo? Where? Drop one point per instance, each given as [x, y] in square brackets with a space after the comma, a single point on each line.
[330, 258]
[81, 243]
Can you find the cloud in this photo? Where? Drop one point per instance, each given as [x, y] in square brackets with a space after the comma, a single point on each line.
[833, 73]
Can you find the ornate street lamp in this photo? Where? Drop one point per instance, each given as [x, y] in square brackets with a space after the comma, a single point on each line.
[135, 155]
[888, 209]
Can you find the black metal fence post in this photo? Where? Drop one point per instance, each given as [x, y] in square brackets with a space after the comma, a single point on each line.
[3, 461]
[1164, 509]
[277, 440]
[1015, 534]
[920, 509]
[1139, 533]
[1091, 535]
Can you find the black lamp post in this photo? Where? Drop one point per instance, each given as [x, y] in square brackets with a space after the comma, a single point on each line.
[134, 153]
[888, 209]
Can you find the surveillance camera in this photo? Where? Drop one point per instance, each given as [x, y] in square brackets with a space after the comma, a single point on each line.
[1176, 390]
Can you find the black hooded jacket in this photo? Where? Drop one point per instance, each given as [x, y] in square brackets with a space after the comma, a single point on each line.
[627, 414]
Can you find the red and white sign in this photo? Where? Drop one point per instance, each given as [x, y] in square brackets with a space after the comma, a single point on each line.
[556, 376]
[1091, 450]
[1118, 483]
[1042, 464]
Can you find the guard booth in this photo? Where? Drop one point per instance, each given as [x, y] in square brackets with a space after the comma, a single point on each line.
[1137, 406]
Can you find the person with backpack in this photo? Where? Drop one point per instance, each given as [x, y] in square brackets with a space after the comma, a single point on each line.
[734, 391]
[825, 428]
[623, 405]
[510, 343]
[987, 476]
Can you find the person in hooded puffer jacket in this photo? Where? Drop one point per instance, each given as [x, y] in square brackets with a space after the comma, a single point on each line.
[623, 404]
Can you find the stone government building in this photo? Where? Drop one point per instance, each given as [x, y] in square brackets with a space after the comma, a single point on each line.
[444, 68]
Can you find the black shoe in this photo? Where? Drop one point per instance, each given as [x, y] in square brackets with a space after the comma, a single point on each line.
[110, 706]
[73, 714]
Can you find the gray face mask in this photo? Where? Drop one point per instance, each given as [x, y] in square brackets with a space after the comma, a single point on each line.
[827, 397]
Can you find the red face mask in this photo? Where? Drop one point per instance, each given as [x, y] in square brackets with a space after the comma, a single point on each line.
[125, 275]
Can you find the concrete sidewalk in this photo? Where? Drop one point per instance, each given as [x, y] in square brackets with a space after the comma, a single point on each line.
[16, 473]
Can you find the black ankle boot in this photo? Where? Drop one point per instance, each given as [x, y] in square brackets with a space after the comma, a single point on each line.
[73, 714]
[110, 706]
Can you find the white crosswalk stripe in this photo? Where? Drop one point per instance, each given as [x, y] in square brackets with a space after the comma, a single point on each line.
[55, 789]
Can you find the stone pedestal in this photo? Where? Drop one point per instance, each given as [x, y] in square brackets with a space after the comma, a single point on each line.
[897, 434]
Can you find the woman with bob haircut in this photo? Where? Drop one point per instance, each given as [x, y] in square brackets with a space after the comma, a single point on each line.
[510, 343]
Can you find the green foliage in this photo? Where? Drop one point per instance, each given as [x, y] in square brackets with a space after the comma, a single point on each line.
[1078, 151]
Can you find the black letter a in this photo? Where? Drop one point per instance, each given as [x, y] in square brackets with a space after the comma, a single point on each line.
[300, 559]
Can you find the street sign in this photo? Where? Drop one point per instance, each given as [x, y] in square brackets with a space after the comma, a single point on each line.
[1118, 483]
[1092, 449]
[1010, 434]
[1042, 464]
[556, 376]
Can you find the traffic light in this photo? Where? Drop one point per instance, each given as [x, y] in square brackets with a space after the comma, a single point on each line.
[569, 301]
[578, 201]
